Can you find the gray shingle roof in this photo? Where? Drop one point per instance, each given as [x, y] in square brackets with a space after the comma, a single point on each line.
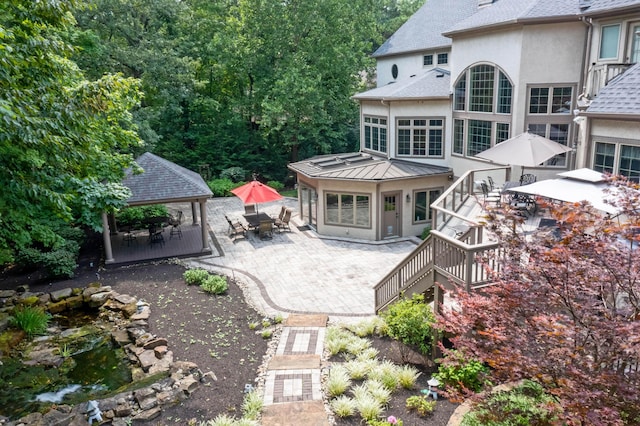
[513, 11]
[363, 167]
[163, 181]
[434, 83]
[620, 96]
[423, 30]
[598, 6]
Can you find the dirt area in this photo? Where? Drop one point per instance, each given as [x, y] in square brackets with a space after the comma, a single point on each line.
[211, 331]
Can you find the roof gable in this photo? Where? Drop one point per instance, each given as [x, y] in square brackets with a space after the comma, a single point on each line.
[163, 181]
[423, 30]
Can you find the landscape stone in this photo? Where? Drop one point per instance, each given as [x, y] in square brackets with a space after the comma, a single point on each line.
[56, 308]
[147, 358]
[120, 337]
[7, 294]
[146, 416]
[153, 343]
[189, 385]
[160, 351]
[98, 299]
[59, 295]
[163, 364]
[89, 291]
[125, 299]
[75, 302]
[56, 418]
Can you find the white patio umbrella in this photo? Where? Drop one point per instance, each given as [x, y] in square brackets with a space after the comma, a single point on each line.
[526, 150]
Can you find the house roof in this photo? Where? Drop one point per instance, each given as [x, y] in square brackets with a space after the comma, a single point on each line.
[434, 83]
[593, 7]
[505, 12]
[364, 167]
[163, 181]
[423, 30]
[620, 96]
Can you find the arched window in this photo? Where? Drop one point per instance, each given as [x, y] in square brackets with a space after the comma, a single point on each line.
[483, 95]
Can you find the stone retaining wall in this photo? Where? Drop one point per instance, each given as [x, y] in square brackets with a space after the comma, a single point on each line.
[127, 321]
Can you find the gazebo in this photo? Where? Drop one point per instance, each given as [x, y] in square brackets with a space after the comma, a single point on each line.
[164, 182]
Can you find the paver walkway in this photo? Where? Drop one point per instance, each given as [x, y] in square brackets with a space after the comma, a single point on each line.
[293, 390]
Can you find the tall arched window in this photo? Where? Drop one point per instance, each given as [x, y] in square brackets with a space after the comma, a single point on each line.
[482, 101]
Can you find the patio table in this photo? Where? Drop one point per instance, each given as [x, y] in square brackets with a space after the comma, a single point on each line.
[254, 219]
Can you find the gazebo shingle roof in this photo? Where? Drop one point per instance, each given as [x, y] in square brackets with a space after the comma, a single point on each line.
[163, 182]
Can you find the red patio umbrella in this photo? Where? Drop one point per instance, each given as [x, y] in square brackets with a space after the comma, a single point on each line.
[256, 192]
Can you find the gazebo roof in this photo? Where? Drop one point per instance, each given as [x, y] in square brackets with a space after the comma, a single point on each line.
[163, 182]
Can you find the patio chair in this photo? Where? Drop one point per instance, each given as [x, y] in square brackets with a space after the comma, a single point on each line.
[283, 222]
[488, 196]
[492, 185]
[265, 230]
[175, 223]
[236, 229]
[527, 178]
[155, 236]
[250, 209]
[283, 210]
[523, 205]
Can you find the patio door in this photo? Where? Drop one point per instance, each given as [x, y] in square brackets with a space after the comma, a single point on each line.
[391, 214]
[309, 205]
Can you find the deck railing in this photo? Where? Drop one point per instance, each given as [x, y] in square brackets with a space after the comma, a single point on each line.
[440, 257]
[600, 75]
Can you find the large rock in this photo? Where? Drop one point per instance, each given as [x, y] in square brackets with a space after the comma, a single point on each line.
[154, 343]
[147, 358]
[57, 418]
[75, 302]
[146, 398]
[56, 308]
[98, 299]
[59, 295]
[146, 416]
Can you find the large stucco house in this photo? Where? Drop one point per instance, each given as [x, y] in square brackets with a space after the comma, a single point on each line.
[462, 75]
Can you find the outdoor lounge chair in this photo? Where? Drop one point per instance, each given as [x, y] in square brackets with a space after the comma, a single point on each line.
[283, 222]
[265, 230]
[236, 229]
[489, 197]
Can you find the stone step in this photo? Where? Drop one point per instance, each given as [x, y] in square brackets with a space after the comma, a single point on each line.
[296, 320]
[294, 362]
[308, 413]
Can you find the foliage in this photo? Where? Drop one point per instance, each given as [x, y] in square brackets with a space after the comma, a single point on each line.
[195, 276]
[343, 406]
[215, 284]
[524, 405]
[252, 405]
[368, 406]
[421, 404]
[407, 376]
[135, 216]
[338, 382]
[411, 321]
[234, 174]
[278, 186]
[266, 334]
[222, 187]
[460, 373]
[32, 320]
[59, 260]
[390, 421]
[565, 311]
[426, 232]
[65, 140]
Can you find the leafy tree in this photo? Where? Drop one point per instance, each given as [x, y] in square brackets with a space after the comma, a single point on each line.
[565, 311]
[64, 139]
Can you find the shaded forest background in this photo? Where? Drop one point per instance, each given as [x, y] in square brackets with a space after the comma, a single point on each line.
[240, 83]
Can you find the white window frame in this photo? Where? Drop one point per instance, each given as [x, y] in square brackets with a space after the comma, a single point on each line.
[602, 40]
[430, 125]
[347, 214]
[617, 155]
[369, 123]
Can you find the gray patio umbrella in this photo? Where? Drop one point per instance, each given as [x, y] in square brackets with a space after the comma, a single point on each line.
[526, 150]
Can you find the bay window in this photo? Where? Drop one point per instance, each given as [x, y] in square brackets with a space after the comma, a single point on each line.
[375, 133]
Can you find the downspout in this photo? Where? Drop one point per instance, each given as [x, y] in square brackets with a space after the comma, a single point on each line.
[583, 84]
[587, 54]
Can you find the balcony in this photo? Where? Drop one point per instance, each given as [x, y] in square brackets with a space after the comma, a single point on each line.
[600, 75]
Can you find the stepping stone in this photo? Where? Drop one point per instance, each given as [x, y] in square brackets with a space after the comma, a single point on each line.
[294, 362]
[295, 320]
[312, 412]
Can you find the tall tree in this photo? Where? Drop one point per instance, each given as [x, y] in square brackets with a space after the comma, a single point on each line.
[565, 311]
[64, 139]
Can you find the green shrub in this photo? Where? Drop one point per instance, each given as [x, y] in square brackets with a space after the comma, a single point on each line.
[215, 284]
[408, 376]
[461, 372]
[58, 261]
[266, 334]
[343, 406]
[421, 404]
[234, 174]
[72, 233]
[426, 232]
[338, 382]
[135, 217]
[195, 276]
[411, 322]
[252, 405]
[278, 186]
[33, 320]
[222, 187]
[526, 404]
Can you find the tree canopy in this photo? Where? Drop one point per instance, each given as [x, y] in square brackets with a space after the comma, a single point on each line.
[565, 311]
[64, 139]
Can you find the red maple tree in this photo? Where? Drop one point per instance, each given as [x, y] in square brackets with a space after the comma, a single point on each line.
[565, 310]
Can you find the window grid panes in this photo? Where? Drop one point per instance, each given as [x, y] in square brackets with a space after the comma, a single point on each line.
[443, 58]
[460, 94]
[561, 101]
[423, 199]
[635, 46]
[604, 158]
[609, 39]
[375, 133]
[630, 162]
[504, 95]
[538, 100]
[481, 93]
[502, 132]
[479, 136]
[420, 137]
[427, 60]
[458, 136]
[347, 209]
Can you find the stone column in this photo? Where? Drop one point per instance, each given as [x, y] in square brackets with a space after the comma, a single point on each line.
[106, 236]
[204, 225]
[194, 213]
